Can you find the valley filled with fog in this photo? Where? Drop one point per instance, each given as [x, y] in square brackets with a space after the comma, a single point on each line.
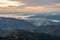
[43, 24]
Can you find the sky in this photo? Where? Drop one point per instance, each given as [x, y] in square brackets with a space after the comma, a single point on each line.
[29, 5]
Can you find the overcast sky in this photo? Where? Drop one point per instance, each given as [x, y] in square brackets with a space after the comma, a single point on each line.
[30, 5]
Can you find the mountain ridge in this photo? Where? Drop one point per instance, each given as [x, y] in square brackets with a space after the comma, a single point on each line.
[8, 24]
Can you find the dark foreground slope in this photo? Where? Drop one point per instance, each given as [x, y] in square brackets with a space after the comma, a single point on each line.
[49, 29]
[26, 35]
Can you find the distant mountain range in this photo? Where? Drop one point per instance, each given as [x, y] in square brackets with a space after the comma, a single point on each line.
[45, 18]
[43, 21]
[54, 16]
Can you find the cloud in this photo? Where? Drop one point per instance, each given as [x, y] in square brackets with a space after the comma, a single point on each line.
[24, 3]
[40, 2]
[6, 3]
[30, 9]
[30, 5]
[41, 9]
[55, 20]
[56, 5]
[47, 3]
